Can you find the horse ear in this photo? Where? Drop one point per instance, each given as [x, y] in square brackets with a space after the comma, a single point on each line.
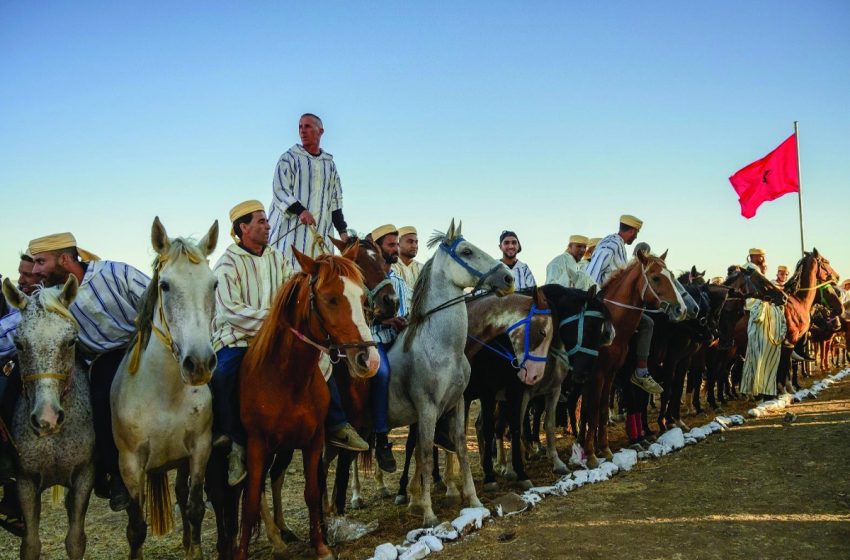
[14, 296]
[350, 253]
[701, 274]
[338, 243]
[694, 271]
[308, 265]
[451, 233]
[663, 256]
[815, 252]
[641, 256]
[210, 240]
[69, 291]
[591, 293]
[459, 227]
[159, 237]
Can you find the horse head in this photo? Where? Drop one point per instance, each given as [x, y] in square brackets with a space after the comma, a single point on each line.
[659, 288]
[717, 297]
[750, 283]
[825, 272]
[690, 295]
[381, 299]
[336, 298]
[182, 292]
[469, 266]
[45, 340]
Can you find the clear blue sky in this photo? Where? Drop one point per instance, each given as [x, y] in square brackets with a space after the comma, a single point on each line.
[545, 118]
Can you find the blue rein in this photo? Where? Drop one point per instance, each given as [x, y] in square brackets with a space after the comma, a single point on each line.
[451, 250]
[527, 355]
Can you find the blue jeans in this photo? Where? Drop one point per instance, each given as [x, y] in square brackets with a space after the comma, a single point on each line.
[224, 386]
[380, 393]
[336, 418]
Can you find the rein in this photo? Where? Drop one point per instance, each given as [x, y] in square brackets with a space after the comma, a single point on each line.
[663, 305]
[526, 353]
[580, 316]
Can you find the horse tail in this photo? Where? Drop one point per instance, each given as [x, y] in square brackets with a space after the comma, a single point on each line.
[58, 493]
[159, 514]
[365, 462]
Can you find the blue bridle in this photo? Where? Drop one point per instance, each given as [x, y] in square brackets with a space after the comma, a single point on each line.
[526, 353]
[450, 249]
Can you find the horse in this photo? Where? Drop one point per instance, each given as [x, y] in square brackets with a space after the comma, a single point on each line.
[429, 368]
[283, 397]
[52, 425]
[645, 281]
[161, 405]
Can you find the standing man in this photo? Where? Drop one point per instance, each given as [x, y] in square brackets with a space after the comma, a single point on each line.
[106, 307]
[609, 257]
[249, 274]
[510, 247]
[385, 334]
[781, 275]
[564, 269]
[408, 247]
[306, 191]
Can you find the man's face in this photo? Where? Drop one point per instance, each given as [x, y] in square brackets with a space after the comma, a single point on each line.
[257, 230]
[408, 245]
[847, 285]
[782, 275]
[577, 250]
[509, 247]
[629, 236]
[27, 281]
[757, 260]
[50, 269]
[309, 131]
[389, 248]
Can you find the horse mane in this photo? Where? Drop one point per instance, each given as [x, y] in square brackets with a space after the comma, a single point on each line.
[619, 273]
[792, 285]
[144, 319]
[294, 297]
[48, 299]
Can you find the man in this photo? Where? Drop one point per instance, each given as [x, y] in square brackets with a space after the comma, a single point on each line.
[765, 334]
[27, 281]
[564, 269]
[591, 246]
[105, 308]
[510, 246]
[306, 191]
[610, 256]
[781, 275]
[385, 333]
[408, 247]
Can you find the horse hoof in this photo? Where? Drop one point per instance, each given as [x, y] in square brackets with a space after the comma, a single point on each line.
[608, 454]
[541, 451]
[592, 462]
[356, 503]
[288, 536]
[452, 499]
[384, 493]
[430, 521]
[415, 509]
[525, 484]
[510, 475]
[491, 487]
[561, 469]
[400, 500]
[328, 556]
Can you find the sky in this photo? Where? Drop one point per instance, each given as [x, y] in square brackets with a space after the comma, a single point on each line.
[549, 119]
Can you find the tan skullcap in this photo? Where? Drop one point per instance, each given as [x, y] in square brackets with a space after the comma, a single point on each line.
[756, 251]
[406, 230]
[782, 268]
[631, 221]
[580, 239]
[56, 242]
[717, 280]
[593, 242]
[240, 210]
[383, 230]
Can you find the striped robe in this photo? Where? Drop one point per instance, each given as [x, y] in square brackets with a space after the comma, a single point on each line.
[8, 325]
[384, 333]
[313, 182]
[765, 333]
[247, 285]
[609, 256]
[408, 272]
[523, 278]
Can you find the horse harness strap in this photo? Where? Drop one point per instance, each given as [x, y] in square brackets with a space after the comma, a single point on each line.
[580, 337]
[370, 294]
[527, 355]
[331, 346]
[64, 377]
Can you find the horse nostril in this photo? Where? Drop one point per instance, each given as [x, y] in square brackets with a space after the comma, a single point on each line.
[60, 417]
[34, 421]
[509, 279]
[188, 364]
[212, 362]
[362, 360]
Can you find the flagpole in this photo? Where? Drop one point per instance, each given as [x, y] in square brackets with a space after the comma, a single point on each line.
[800, 191]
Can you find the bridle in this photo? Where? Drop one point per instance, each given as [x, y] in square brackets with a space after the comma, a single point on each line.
[527, 356]
[579, 345]
[663, 306]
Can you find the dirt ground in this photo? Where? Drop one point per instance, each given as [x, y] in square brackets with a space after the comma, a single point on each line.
[766, 489]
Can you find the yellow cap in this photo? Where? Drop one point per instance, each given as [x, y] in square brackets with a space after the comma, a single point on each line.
[631, 221]
[593, 242]
[756, 251]
[243, 209]
[383, 230]
[56, 242]
[406, 230]
[580, 239]
[782, 268]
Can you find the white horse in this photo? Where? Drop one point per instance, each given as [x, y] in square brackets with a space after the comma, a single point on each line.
[429, 370]
[161, 405]
[52, 425]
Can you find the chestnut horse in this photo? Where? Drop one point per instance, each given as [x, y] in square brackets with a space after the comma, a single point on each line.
[283, 396]
[644, 282]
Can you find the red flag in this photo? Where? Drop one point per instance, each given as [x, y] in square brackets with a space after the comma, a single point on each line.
[769, 178]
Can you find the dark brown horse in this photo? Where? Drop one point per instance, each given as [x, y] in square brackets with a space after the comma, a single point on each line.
[283, 397]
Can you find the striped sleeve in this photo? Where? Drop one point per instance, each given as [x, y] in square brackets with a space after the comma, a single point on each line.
[599, 264]
[231, 305]
[403, 292]
[530, 282]
[8, 325]
[336, 190]
[282, 184]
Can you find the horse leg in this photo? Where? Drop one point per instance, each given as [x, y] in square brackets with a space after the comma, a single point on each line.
[488, 405]
[29, 495]
[602, 428]
[356, 489]
[383, 491]
[424, 457]
[255, 465]
[195, 504]
[76, 504]
[409, 447]
[458, 430]
[313, 497]
[558, 466]
[516, 410]
[225, 504]
[343, 474]
[134, 478]
[181, 491]
[592, 403]
[278, 476]
[452, 475]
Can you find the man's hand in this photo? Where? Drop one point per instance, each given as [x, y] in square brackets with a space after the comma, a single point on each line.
[397, 323]
[306, 218]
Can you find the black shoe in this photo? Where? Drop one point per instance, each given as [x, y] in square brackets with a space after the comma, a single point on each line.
[384, 453]
[101, 487]
[442, 439]
[119, 497]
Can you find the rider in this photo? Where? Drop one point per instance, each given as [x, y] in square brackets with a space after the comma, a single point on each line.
[591, 247]
[781, 275]
[385, 332]
[610, 256]
[106, 306]
[564, 269]
[408, 246]
[510, 246]
[305, 190]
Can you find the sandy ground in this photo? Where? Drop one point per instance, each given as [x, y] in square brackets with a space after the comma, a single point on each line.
[767, 489]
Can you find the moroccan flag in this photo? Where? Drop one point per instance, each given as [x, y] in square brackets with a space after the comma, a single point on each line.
[769, 178]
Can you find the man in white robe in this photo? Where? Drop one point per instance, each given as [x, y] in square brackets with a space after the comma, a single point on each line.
[564, 269]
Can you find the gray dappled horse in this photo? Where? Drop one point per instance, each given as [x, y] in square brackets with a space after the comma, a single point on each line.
[428, 365]
[52, 426]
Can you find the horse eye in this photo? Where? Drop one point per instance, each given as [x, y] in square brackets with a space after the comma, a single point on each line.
[332, 301]
[19, 346]
[215, 286]
[466, 252]
[164, 286]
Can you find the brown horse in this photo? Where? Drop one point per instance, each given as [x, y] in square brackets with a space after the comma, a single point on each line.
[283, 397]
[645, 282]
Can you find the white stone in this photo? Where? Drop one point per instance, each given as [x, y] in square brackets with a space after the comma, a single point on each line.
[386, 551]
[625, 459]
[674, 438]
[432, 542]
[417, 551]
